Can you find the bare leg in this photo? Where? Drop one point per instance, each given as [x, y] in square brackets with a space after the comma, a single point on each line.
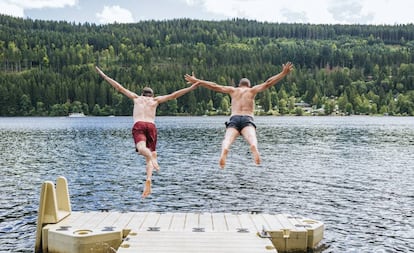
[223, 157]
[151, 164]
[256, 154]
[144, 151]
[249, 134]
[229, 137]
[151, 157]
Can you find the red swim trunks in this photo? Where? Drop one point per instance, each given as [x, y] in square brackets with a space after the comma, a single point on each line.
[145, 131]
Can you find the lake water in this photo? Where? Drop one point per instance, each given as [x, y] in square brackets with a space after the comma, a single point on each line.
[355, 174]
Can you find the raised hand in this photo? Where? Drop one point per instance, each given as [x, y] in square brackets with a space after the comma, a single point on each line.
[190, 79]
[287, 68]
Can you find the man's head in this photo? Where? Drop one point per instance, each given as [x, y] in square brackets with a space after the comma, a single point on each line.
[147, 92]
[244, 82]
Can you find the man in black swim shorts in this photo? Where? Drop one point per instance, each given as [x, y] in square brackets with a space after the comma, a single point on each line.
[242, 109]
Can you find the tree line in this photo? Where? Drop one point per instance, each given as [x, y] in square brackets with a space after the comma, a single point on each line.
[47, 67]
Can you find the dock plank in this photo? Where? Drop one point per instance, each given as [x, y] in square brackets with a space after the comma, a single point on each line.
[189, 242]
[95, 219]
[219, 222]
[273, 222]
[232, 221]
[191, 222]
[69, 220]
[137, 221]
[123, 220]
[84, 220]
[178, 222]
[206, 222]
[253, 222]
[150, 221]
[164, 221]
[286, 224]
[109, 220]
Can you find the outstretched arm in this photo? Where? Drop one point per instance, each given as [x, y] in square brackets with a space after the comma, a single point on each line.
[116, 85]
[207, 84]
[175, 94]
[287, 68]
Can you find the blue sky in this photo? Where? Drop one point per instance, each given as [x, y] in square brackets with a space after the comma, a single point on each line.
[377, 12]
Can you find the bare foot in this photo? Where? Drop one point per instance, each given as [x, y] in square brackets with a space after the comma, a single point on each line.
[147, 188]
[223, 157]
[155, 164]
[154, 161]
[256, 155]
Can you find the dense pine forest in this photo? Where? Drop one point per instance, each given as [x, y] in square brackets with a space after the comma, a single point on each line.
[47, 67]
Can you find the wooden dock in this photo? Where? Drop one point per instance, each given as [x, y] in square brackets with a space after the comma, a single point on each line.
[168, 232]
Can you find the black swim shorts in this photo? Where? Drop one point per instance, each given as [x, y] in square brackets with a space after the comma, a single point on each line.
[240, 121]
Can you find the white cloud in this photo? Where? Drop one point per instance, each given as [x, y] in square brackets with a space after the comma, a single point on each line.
[389, 11]
[294, 16]
[233, 8]
[16, 7]
[112, 14]
[316, 11]
[192, 2]
[38, 4]
[11, 9]
[349, 11]
[269, 10]
[297, 11]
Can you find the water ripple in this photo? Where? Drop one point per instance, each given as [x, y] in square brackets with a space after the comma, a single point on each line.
[353, 173]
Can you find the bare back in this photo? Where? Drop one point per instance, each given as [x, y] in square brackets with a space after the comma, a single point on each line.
[145, 109]
[242, 101]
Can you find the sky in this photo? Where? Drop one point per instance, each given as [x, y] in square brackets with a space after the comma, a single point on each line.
[376, 12]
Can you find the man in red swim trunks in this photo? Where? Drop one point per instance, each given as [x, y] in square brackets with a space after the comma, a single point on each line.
[242, 109]
[144, 130]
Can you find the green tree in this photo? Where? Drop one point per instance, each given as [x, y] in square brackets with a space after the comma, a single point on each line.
[283, 108]
[225, 105]
[25, 105]
[266, 101]
[96, 110]
[53, 62]
[349, 109]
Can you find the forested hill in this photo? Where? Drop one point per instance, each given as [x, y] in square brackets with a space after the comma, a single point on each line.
[47, 67]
